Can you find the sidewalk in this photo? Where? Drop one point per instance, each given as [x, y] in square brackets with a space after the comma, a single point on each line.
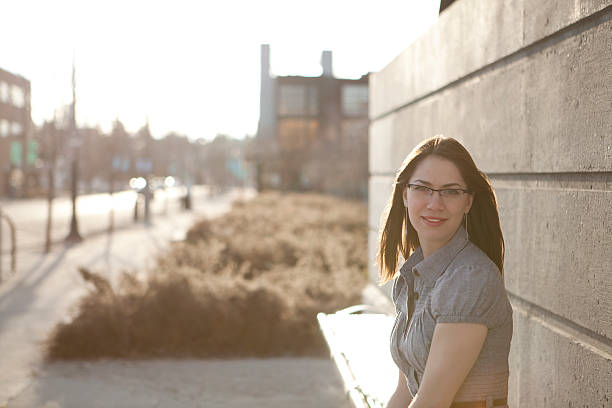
[43, 292]
[270, 383]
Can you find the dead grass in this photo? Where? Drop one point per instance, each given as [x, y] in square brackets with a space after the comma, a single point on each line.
[247, 284]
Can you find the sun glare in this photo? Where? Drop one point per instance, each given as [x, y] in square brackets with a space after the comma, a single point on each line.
[193, 68]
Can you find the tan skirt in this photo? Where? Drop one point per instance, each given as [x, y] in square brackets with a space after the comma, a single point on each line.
[489, 403]
[483, 391]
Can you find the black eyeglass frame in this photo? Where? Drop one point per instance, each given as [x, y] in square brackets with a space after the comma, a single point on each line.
[439, 190]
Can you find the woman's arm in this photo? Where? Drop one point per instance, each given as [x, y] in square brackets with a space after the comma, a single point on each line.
[402, 396]
[454, 350]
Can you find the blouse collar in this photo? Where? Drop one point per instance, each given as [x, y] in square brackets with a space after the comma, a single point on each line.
[429, 269]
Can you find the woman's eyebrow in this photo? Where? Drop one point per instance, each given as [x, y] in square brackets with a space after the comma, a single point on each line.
[427, 183]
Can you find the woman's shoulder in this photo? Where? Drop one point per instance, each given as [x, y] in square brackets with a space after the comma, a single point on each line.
[471, 273]
[471, 289]
[471, 263]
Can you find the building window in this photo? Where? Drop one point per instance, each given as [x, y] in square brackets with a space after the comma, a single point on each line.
[297, 134]
[16, 128]
[354, 133]
[17, 96]
[354, 129]
[4, 92]
[355, 100]
[4, 128]
[298, 100]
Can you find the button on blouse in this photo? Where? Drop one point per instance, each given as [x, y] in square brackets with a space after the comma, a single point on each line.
[458, 283]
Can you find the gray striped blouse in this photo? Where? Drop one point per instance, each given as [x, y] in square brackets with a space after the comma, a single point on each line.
[457, 283]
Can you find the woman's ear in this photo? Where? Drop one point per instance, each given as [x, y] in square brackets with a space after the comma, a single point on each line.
[405, 196]
[470, 202]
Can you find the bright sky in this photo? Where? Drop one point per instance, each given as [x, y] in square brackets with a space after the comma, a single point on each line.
[192, 66]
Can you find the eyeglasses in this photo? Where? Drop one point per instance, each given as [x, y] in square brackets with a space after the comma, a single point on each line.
[448, 194]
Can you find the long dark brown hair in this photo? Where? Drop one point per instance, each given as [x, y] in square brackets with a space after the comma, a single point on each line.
[397, 235]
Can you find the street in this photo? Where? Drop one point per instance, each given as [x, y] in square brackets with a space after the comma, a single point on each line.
[93, 212]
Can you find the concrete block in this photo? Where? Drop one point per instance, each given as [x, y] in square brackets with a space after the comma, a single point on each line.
[550, 369]
[544, 113]
[469, 36]
[379, 193]
[558, 252]
[543, 18]
[380, 146]
[464, 39]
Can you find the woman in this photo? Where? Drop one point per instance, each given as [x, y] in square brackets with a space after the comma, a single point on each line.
[452, 333]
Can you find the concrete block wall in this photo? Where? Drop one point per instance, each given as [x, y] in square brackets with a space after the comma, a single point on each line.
[526, 85]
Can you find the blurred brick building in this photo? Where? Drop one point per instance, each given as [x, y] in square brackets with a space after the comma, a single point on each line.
[15, 126]
[313, 132]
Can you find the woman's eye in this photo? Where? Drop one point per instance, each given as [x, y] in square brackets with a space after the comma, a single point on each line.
[420, 189]
[450, 192]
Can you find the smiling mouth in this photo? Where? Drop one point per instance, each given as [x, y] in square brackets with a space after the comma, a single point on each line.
[433, 221]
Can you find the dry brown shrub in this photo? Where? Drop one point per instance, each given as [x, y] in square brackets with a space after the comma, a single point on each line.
[246, 284]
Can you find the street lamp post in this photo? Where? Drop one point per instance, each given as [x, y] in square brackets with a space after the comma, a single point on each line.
[73, 235]
[51, 151]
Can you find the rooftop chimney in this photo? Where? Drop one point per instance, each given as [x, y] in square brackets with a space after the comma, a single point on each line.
[267, 100]
[326, 63]
[265, 61]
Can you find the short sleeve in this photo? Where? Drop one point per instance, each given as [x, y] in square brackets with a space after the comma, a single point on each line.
[470, 294]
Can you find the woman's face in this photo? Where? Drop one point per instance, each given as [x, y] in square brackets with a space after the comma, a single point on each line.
[434, 217]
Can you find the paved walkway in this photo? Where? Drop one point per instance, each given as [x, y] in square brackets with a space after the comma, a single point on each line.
[44, 292]
[270, 383]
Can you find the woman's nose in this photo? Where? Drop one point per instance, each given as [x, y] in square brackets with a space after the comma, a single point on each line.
[435, 200]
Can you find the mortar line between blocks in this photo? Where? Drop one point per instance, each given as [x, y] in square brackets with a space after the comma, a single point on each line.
[577, 334]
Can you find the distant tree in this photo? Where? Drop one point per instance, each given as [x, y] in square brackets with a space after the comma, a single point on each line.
[220, 157]
[93, 162]
[118, 155]
[174, 156]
